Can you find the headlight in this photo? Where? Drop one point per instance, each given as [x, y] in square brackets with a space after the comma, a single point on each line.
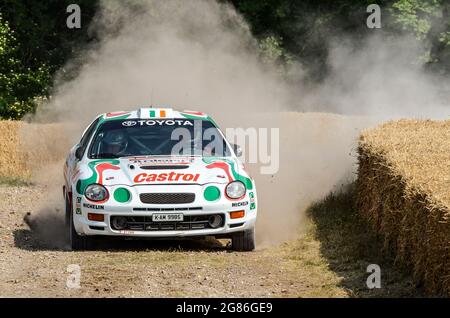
[96, 192]
[235, 189]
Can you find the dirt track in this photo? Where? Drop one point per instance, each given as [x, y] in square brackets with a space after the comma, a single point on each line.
[327, 258]
[305, 267]
[30, 267]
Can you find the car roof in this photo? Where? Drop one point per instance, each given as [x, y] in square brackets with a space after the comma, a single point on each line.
[155, 113]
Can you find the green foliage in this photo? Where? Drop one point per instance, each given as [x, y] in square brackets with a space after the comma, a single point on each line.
[429, 21]
[34, 44]
[19, 85]
[444, 38]
[271, 49]
[306, 27]
[273, 52]
[14, 182]
[417, 15]
[41, 30]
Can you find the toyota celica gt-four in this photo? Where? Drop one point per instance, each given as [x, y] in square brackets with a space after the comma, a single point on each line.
[157, 173]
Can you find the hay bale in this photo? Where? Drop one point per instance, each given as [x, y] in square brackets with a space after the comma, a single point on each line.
[26, 147]
[11, 163]
[403, 190]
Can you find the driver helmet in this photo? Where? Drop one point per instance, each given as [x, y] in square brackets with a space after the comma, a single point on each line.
[115, 141]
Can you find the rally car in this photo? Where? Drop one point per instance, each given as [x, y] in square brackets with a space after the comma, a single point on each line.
[157, 173]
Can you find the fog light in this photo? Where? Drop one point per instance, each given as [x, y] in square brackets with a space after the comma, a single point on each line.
[215, 221]
[237, 214]
[96, 217]
[119, 222]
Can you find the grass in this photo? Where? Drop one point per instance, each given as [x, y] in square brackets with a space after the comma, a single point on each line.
[348, 246]
[14, 182]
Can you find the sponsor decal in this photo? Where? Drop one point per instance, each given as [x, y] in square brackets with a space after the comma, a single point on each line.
[194, 113]
[162, 177]
[197, 116]
[97, 167]
[237, 204]
[78, 206]
[113, 116]
[93, 206]
[154, 113]
[252, 201]
[162, 161]
[228, 167]
[129, 123]
[117, 114]
[156, 122]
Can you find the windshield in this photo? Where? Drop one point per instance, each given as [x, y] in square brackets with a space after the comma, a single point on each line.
[165, 137]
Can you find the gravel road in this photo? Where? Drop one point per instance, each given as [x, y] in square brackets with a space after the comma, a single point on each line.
[35, 263]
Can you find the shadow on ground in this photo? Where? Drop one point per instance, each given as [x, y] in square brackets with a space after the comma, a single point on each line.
[28, 240]
[47, 233]
[349, 245]
[31, 241]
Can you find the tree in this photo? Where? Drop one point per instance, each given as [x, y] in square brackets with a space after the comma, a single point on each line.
[35, 44]
[19, 85]
[303, 29]
[429, 21]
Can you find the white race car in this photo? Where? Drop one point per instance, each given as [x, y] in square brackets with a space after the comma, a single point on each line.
[158, 173]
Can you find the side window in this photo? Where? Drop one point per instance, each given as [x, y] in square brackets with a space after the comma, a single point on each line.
[88, 134]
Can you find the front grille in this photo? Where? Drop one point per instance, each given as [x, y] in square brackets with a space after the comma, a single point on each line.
[167, 198]
[145, 223]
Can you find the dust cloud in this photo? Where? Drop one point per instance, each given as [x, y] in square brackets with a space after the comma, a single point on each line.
[47, 221]
[201, 55]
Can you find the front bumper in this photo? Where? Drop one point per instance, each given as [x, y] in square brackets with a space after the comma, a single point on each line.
[224, 207]
[84, 226]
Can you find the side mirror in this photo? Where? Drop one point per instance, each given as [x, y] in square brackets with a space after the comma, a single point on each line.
[237, 150]
[79, 153]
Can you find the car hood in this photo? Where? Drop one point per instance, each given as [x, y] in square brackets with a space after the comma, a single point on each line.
[160, 170]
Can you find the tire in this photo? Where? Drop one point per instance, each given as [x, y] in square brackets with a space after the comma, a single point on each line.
[243, 241]
[76, 242]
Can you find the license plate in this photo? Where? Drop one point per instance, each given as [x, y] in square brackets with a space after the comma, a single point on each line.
[167, 217]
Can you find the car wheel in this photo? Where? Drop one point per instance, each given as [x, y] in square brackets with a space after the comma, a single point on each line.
[243, 241]
[76, 242]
